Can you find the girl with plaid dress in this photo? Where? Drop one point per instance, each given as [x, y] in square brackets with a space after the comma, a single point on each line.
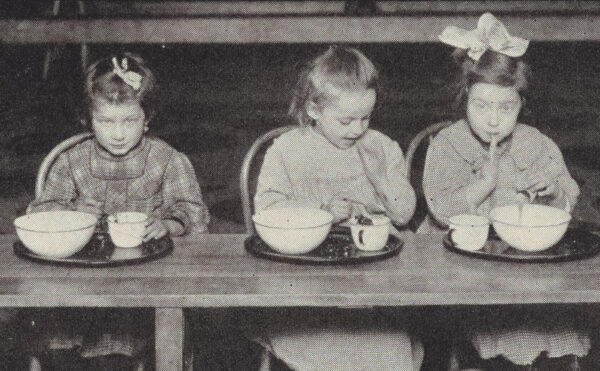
[488, 159]
[120, 169]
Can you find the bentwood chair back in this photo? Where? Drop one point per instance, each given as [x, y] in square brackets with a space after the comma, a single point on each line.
[48, 161]
[416, 149]
[248, 166]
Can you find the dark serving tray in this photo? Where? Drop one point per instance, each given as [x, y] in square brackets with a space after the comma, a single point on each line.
[101, 252]
[337, 249]
[576, 244]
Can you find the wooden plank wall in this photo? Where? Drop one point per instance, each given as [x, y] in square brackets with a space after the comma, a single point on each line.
[300, 22]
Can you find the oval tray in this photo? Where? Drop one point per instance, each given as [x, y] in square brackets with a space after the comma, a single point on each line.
[330, 252]
[97, 254]
[576, 244]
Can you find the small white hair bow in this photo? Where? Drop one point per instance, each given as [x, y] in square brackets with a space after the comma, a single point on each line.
[131, 78]
[489, 34]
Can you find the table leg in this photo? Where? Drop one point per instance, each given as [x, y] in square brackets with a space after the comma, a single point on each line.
[169, 327]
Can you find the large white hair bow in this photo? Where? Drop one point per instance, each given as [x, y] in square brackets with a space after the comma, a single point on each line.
[489, 34]
[131, 78]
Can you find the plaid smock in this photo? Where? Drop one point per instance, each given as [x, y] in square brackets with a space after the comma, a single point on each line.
[453, 161]
[153, 178]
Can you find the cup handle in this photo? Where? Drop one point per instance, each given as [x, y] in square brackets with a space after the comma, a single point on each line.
[450, 236]
[360, 236]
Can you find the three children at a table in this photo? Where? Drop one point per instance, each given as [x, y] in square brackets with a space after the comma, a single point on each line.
[120, 169]
[336, 162]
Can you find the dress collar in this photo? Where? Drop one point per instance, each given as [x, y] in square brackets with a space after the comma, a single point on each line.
[104, 165]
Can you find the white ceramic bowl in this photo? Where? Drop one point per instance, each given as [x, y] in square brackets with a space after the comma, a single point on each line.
[57, 234]
[126, 229]
[540, 226]
[293, 230]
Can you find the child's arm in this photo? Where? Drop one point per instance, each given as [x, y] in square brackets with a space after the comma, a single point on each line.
[59, 192]
[385, 168]
[181, 195]
[479, 190]
[274, 187]
[447, 181]
[549, 179]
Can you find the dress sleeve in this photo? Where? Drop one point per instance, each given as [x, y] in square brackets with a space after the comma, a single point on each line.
[274, 187]
[404, 194]
[444, 178]
[552, 163]
[182, 196]
[59, 191]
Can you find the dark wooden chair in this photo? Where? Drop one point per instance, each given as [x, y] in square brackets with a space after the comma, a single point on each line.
[416, 148]
[247, 167]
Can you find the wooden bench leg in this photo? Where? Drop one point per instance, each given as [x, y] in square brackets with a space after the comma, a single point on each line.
[265, 360]
[169, 327]
[34, 364]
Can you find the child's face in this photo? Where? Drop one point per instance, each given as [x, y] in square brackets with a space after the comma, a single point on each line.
[345, 118]
[118, 127]
[492, 110]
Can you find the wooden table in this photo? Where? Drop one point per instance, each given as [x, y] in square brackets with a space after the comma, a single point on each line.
[215, 271]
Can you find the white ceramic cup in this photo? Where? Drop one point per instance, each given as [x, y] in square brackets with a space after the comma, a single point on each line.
[126, 229]
[469, 232]
[371, 237]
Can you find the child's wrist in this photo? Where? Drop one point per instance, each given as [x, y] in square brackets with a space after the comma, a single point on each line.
[174, 226]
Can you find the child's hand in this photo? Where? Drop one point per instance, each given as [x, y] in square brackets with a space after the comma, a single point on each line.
[373, 161]
[489, 170]
[540, 184]
[340, 208]
[155, 228]
[89, 205]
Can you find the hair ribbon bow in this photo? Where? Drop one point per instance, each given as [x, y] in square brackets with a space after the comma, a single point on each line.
[489, 34]
[131, 78]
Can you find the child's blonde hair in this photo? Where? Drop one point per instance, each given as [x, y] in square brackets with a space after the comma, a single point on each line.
[102, 82]
[339, 68]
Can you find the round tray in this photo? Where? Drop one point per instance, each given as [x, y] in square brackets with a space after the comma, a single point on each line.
[101, 252]
[337, 249]
[576, 244]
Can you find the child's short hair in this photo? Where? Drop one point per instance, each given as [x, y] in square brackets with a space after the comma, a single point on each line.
[102, 82]
[492, 68]
[339, 68]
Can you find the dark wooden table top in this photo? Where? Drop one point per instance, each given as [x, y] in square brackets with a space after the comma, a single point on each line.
[216, 271]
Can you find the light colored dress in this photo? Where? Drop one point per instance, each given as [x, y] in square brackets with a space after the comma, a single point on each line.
[452, 162]
[302, 168]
